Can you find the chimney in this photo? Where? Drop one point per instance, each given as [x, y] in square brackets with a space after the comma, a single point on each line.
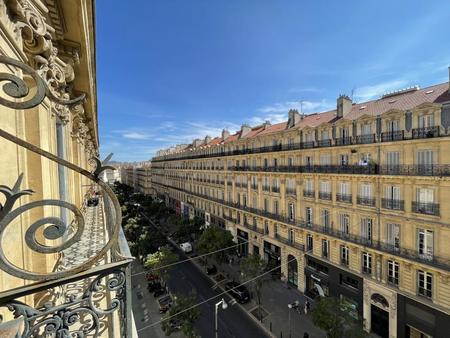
[266, 124]
[293, 118]
[207, 139]
[245, 129]
[196, 143]
[344, 105]
[225, 134]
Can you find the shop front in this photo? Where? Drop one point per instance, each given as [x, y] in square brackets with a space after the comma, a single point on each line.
[323, 279]
[292, 270]
[272, 255]
[418, 320]
[242, 238]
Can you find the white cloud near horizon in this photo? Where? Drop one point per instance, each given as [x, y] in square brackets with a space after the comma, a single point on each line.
[136, 136]
[370, 92]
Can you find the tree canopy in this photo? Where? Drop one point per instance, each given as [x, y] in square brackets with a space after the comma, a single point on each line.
[187, 316]
[213, 239]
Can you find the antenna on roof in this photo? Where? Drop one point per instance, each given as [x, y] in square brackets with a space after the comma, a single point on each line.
[353, 92]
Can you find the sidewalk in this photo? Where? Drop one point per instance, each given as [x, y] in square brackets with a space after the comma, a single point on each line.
[276, 296]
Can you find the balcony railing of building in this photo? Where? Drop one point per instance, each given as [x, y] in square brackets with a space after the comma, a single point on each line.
[307, 145]
[425, 208]
[343, 141]
[289, 241]
[266, 188]
[389, 136]
[291, 191]
[388, 203]
[275, 189]
[324, 195]
[346, 198]
[426, 132]
[365, 200]
[309, 193]
[254, 186]
[88, 290]
[366, 139]
[439, 262]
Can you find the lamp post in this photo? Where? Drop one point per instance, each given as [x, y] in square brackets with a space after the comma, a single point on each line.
[290, 307]
[224, 307]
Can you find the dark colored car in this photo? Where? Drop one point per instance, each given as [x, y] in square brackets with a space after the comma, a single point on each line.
[238, 292]
[164, 304]
[159, 292]
[154, 285]
[211, 270]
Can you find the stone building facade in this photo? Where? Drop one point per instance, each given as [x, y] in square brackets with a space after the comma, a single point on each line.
[349, 203]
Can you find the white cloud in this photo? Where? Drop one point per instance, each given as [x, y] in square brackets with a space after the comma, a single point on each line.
[365, 93]
[132, 135]
[303, 105]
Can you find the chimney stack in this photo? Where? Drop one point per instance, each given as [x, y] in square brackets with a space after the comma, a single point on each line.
[245, 129]
[293, 118]
[207, 139]
[344, 105]
[225, 134]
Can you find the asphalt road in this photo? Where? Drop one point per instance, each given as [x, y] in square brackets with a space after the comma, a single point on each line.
[185, 278]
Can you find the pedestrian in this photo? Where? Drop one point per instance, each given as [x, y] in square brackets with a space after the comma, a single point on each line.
[308, 305]
[306, 335]
[305, 309]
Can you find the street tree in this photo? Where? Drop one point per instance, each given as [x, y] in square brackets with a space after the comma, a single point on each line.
[182, 315]
[158, 262]
[334, 316]
[214, 239]
[254, 266]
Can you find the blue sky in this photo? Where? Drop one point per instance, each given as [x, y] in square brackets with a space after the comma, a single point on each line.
[169, 71]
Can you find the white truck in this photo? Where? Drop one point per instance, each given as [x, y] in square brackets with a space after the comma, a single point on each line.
[186, 247]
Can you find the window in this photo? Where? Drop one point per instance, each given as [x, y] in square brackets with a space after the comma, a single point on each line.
[343, 159]
[365, 191]
[425, 157]
[290, 161]
[426, 121]
[291, 237]
[291, 211]
[325, 187]
[275, 207]
[393, 235]
[266, 227]
[309, 242]
[344, 254]
[392, 192]
[325, 217]
[324, 135]
[344, 223]
[393, 272]
[367, 263]
[366, 129]
[275, 230]
[266, 163]
[425, 243]
[425, 283]
[393, 158]
[425, 195]
[325, 159]
[308, 160]
[393, 125]
[266, 204]
[309, 185]
[344, 188]
[325, 248]
[343, 132]
[309, 216]
[366, 229]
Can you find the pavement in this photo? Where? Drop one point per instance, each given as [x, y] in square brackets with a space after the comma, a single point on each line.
[276, 295]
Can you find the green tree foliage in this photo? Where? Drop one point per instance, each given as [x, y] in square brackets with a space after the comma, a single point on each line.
[186, 318]
[334, 317]
[157, 262]
[253, 266]
[214, 238]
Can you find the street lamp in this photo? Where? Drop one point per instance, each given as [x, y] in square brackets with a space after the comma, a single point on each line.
[290, 307]
[224, 307]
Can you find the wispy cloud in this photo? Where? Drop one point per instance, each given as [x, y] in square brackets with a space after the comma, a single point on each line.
[301, 105]
[369, 92]
[136, 136]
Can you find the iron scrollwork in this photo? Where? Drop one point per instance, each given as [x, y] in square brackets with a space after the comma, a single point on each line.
[54, 228]
[78, 316]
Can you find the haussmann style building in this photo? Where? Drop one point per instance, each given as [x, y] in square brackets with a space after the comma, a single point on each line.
[351, 203]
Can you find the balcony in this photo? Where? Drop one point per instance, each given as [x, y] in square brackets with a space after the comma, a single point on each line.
[324, 143]
[343, 141]
[290, 242]
[426, 132]
[366, 270]
[438, 262]
[365, 139]
[388, 203]
[266, 188]
[324, 195]
[254, 186]
[307, 145]
[346, 198]
[389, 136]
[276, 189]
[291, 191]
[425, 208]
[309, 193]
[367, 201]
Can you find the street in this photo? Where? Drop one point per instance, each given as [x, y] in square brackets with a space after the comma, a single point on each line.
[185, 278]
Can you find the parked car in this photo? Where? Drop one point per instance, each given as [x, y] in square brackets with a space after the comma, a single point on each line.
[238, 292]
[159, 292]
[186, 247]
[164, 303]
[175, 323]
[211, 270]
[153, 285]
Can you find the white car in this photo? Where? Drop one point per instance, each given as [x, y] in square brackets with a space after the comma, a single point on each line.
[186, 247]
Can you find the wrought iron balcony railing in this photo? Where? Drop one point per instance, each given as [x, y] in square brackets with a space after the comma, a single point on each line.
[346, 198]
[426, 132]
[425, 208]
[343, 141]
[365, 139]
[89, 287]
[307, 145]
[364, 200]
[309, 193]
[324, 195]
[291, 191]
[275, 189]
[388, 203]
[389, 136]
[439, 262]
[324, 143]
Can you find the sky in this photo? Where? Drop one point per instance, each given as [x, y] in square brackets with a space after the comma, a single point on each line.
[169, 71]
